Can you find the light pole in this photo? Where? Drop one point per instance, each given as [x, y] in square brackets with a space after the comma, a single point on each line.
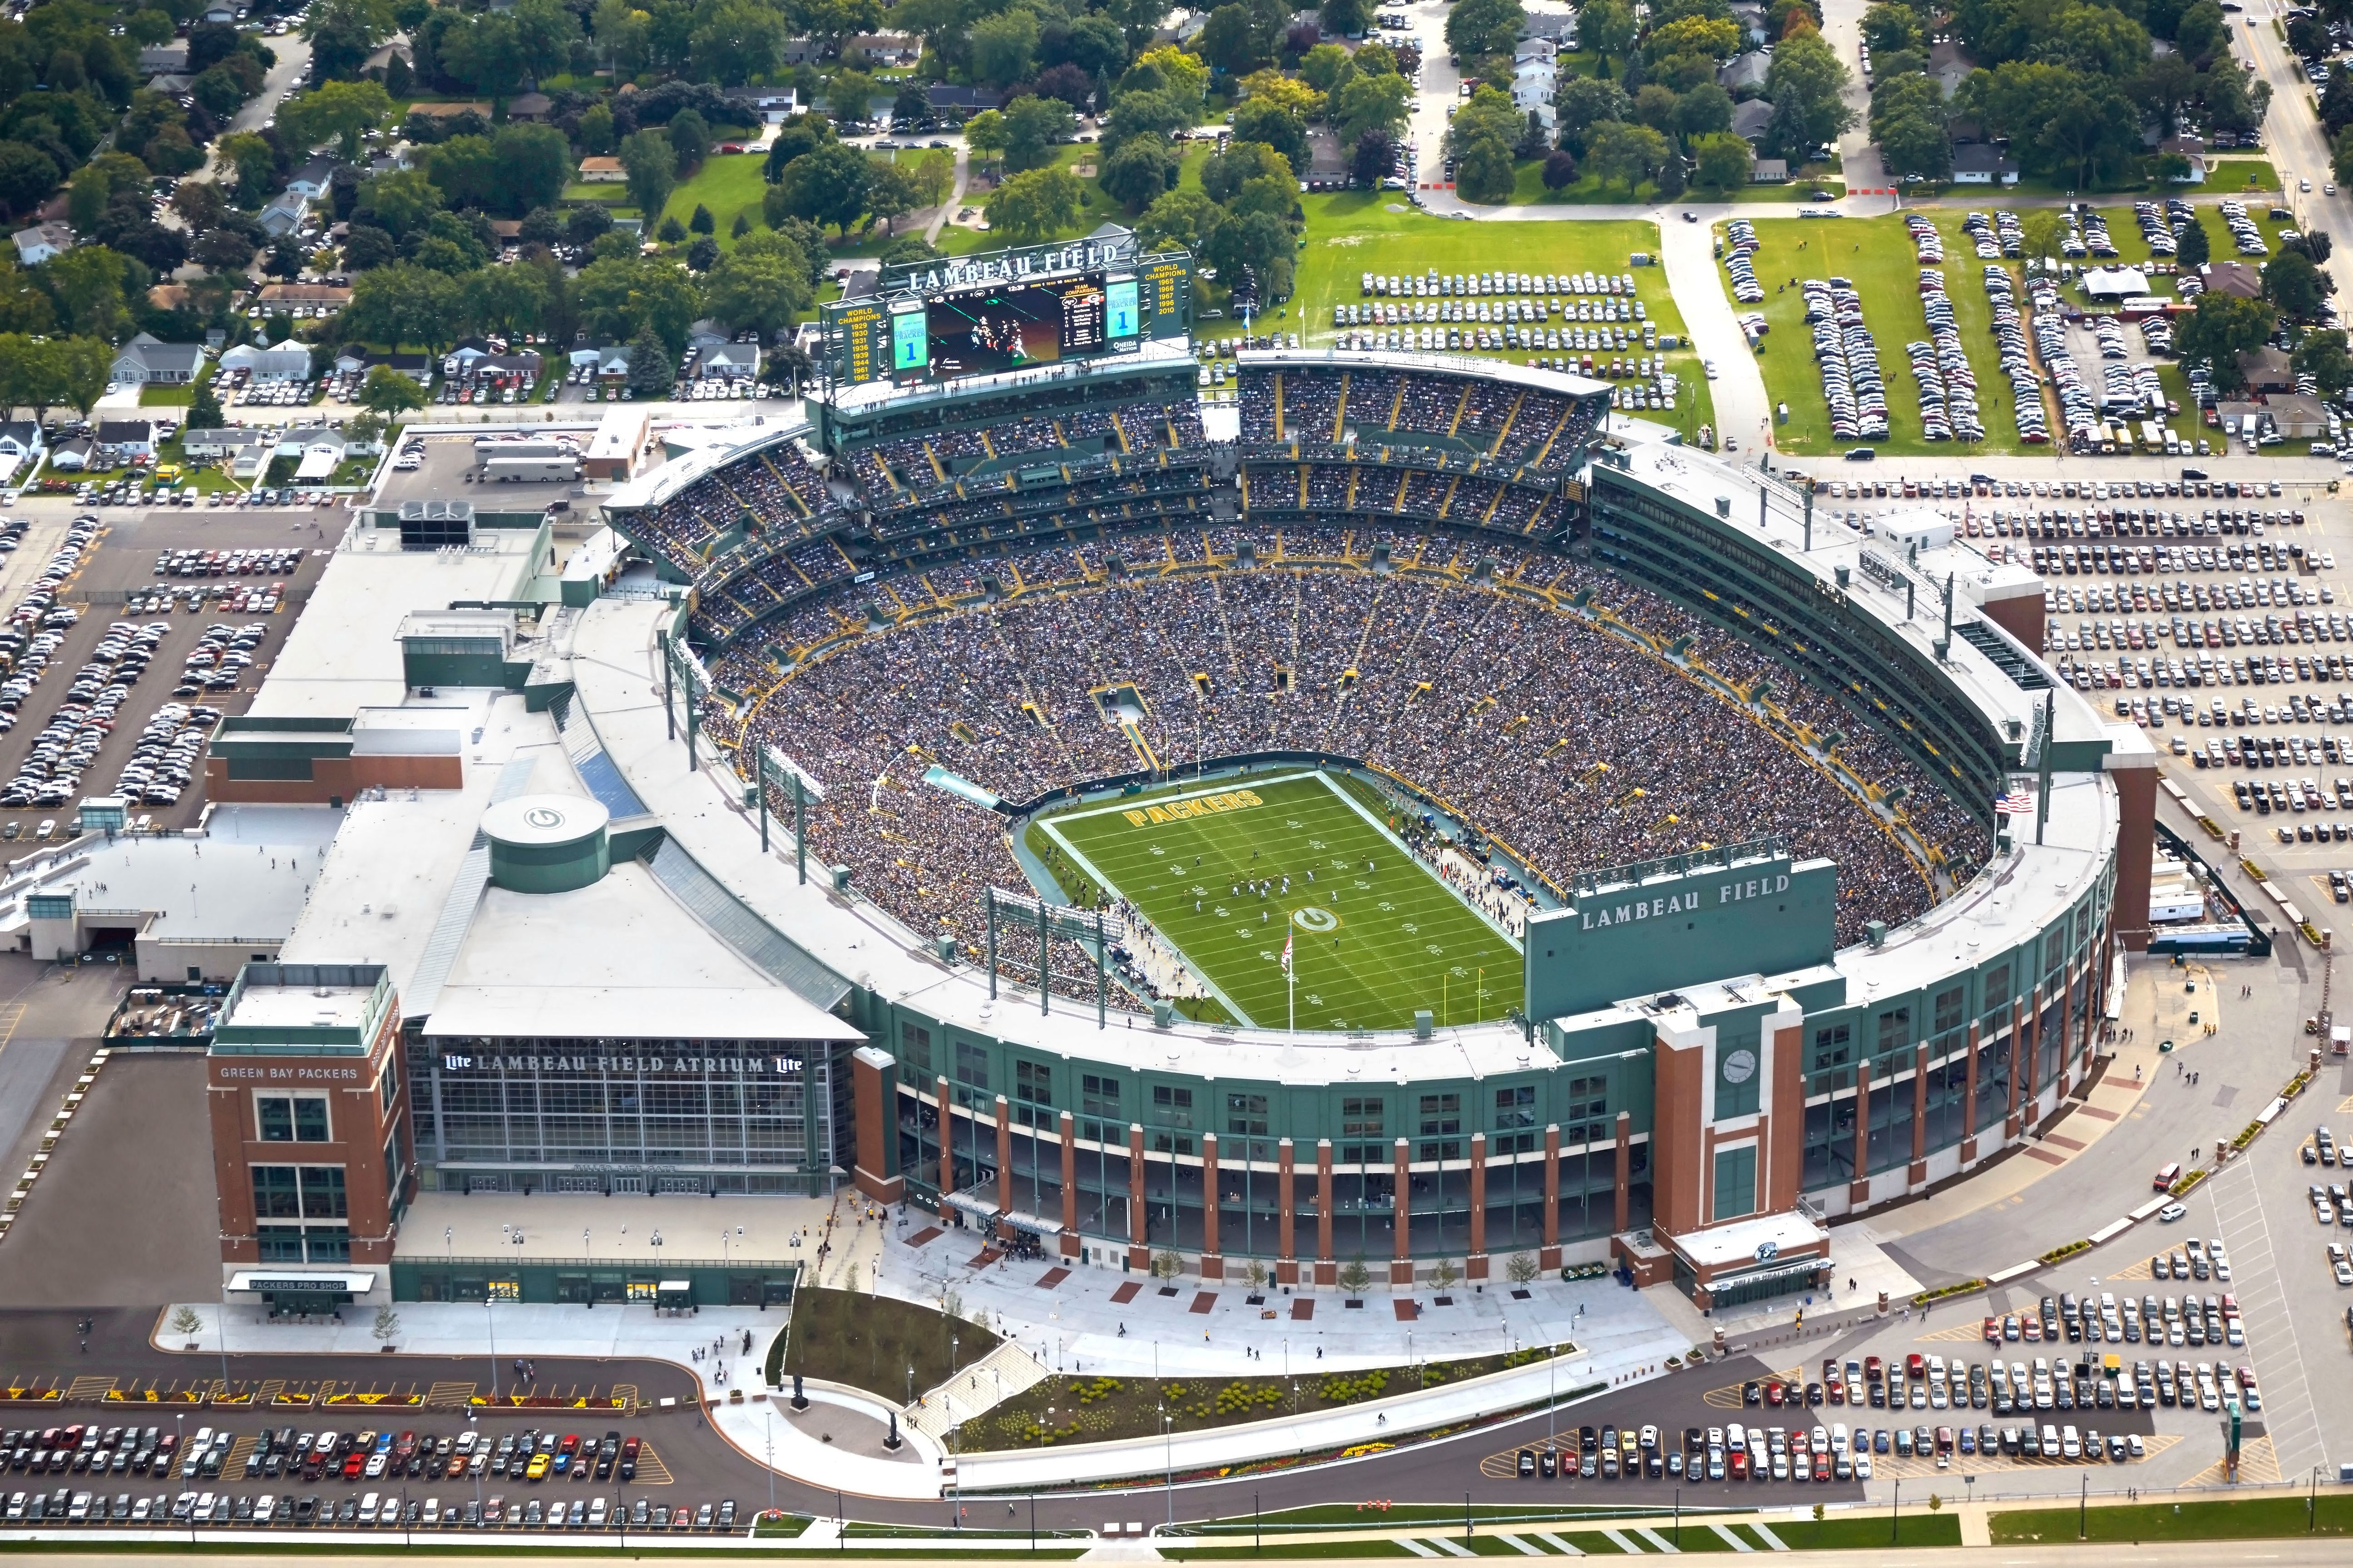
[490, 1323]
[768, 1418]
[1168, 1460]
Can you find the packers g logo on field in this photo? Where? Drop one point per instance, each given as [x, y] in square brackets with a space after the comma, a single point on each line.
[1315, 917]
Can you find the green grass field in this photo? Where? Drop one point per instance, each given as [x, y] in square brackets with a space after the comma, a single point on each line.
[1879, 256]
[1370, 947]
[1353, 233]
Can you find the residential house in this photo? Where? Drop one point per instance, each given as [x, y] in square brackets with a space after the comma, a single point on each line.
[305, 299]
[309, 181]
[887, 48]
[1982, 163]
[602, 171]
[961, 103]
[2288, 418]
[1769, 171]
[135, 437]
[1746, 75]
[2233, 277]
[1750, 118]
[531, 106]
[2267, 370]
[42, 241]
[1558, 23]
[357, 362]
[770, 106]
[1534, 78]
[21, 439]
[219, 16]
[476, 357]
[724, 362]
[148, 361]
[317, 453]
[71, 456]
[289, 360]
[171, 84]
[2191, 150]
[603, 360]
[1753, 20]
[173, 57]
[450, 110]
[284, 215]
[240, 453]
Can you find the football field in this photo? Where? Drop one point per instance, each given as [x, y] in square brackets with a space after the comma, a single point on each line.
[1375, 935]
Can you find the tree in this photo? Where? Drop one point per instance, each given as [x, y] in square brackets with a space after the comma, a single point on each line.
[1606, 28]
[851, 95]
[1184, 219]
[1256, 1276]
[652, 372]
[891, 192]
[1907, 120]
[934, 175]
[690, 138]
[1372, 158]
[762, 285]
[2295, 285]
[2196, 248]
[1257, 120]
[1521, 1269]
[2219, 331]
[28, 176]
[1704, 111]
[1034, 207]
[702, 222]
[1807, 83]
[1585, 101]
[1559, 169]
[670, 232]
[1347, 18]
[651, 164]
[1887, 26]
[1476, 27]
[1722, 162]
[1004, 47]
[1326, 67]
[84, 366]
[1355, 1277]
[984, 135]
[1624, 154]
[1371, 103]
[387, 391]
[828, 187]
[2323, 356]
[185, 1320]
[1166, 1264]
[92, 286]
[1033, 128]
[204, 411]
[615, 295]
[586, 224]
[1139, 172]
[387, 1324]
[1708, 38]
[1444, 1275]
[342, 34]
[338, 111]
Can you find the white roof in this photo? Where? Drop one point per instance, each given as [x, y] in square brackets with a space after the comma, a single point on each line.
[301, 1006]
[1740, 1241]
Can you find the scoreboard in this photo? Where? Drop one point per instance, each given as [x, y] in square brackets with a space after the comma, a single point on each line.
[976, 316]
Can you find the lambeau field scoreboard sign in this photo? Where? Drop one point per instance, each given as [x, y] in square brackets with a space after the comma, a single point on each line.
[1680, 921]
[976, 315]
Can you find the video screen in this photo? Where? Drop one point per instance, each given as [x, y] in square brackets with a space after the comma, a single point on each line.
[909, 350]
[981, 331]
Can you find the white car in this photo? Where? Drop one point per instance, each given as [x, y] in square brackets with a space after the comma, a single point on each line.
[2170, 1212]
[1708, 366]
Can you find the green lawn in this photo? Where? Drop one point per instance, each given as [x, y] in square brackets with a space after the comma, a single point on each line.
[180, 396]
[871, 1342]
[728, 183]
[1878, 255]
[1354, 232]
[1370, 946]
[2241, 1519]
[1528, 190]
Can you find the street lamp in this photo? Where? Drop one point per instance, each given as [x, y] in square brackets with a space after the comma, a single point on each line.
[490, 1323]
[1168, 1459]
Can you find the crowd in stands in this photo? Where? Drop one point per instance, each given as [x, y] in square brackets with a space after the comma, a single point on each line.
[1496, 419]
[777, 488]
[1559, 740]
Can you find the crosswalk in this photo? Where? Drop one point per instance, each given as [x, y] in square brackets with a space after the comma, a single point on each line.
[1628, 1540]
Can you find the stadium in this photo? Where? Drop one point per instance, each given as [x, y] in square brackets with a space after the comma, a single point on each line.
[1225, 818]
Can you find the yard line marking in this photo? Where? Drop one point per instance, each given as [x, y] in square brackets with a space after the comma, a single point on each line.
[1522, 1547]
[1655, 1538]
[1733, 1540]
[1622, 1543]
[1554, 1542]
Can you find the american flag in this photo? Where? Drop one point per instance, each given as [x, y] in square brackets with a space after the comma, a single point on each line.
[1286, 952]
[2017, 802]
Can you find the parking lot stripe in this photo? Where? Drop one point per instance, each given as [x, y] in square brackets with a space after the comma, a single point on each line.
[1557, 1544]
[1522, 1547]
[1731, 1540]
[1769, 1539]
[1655, 1538]
[1622, 1544]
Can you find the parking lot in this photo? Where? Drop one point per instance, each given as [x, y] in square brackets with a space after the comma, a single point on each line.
[70, 737]
[585, 1474]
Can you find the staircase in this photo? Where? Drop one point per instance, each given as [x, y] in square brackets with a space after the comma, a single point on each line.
[997, 1376]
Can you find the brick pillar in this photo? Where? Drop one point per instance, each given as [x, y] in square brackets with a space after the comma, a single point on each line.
[1858, 1191]
[1550, 1258]
[1624, 1194]
[1919, 1170]
[1401, 1200]
[947, 1151]
[1213, 1265]
[1070, 1131]
[2022, 1061]
[1476, 1267]
[1327, 1267]
[1286, 1252]
[1004, 1167]
[2066, 1037]
[1969, 1104]
[1139, 1254]
[2135, 841]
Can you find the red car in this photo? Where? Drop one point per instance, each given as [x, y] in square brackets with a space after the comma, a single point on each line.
[1915, 1367]
[1993, 1330]
[1821, 1467]
[1773, 1391]
[1739, 1463]
[404, 1448]
[1873, 1369]
[353, 1463]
